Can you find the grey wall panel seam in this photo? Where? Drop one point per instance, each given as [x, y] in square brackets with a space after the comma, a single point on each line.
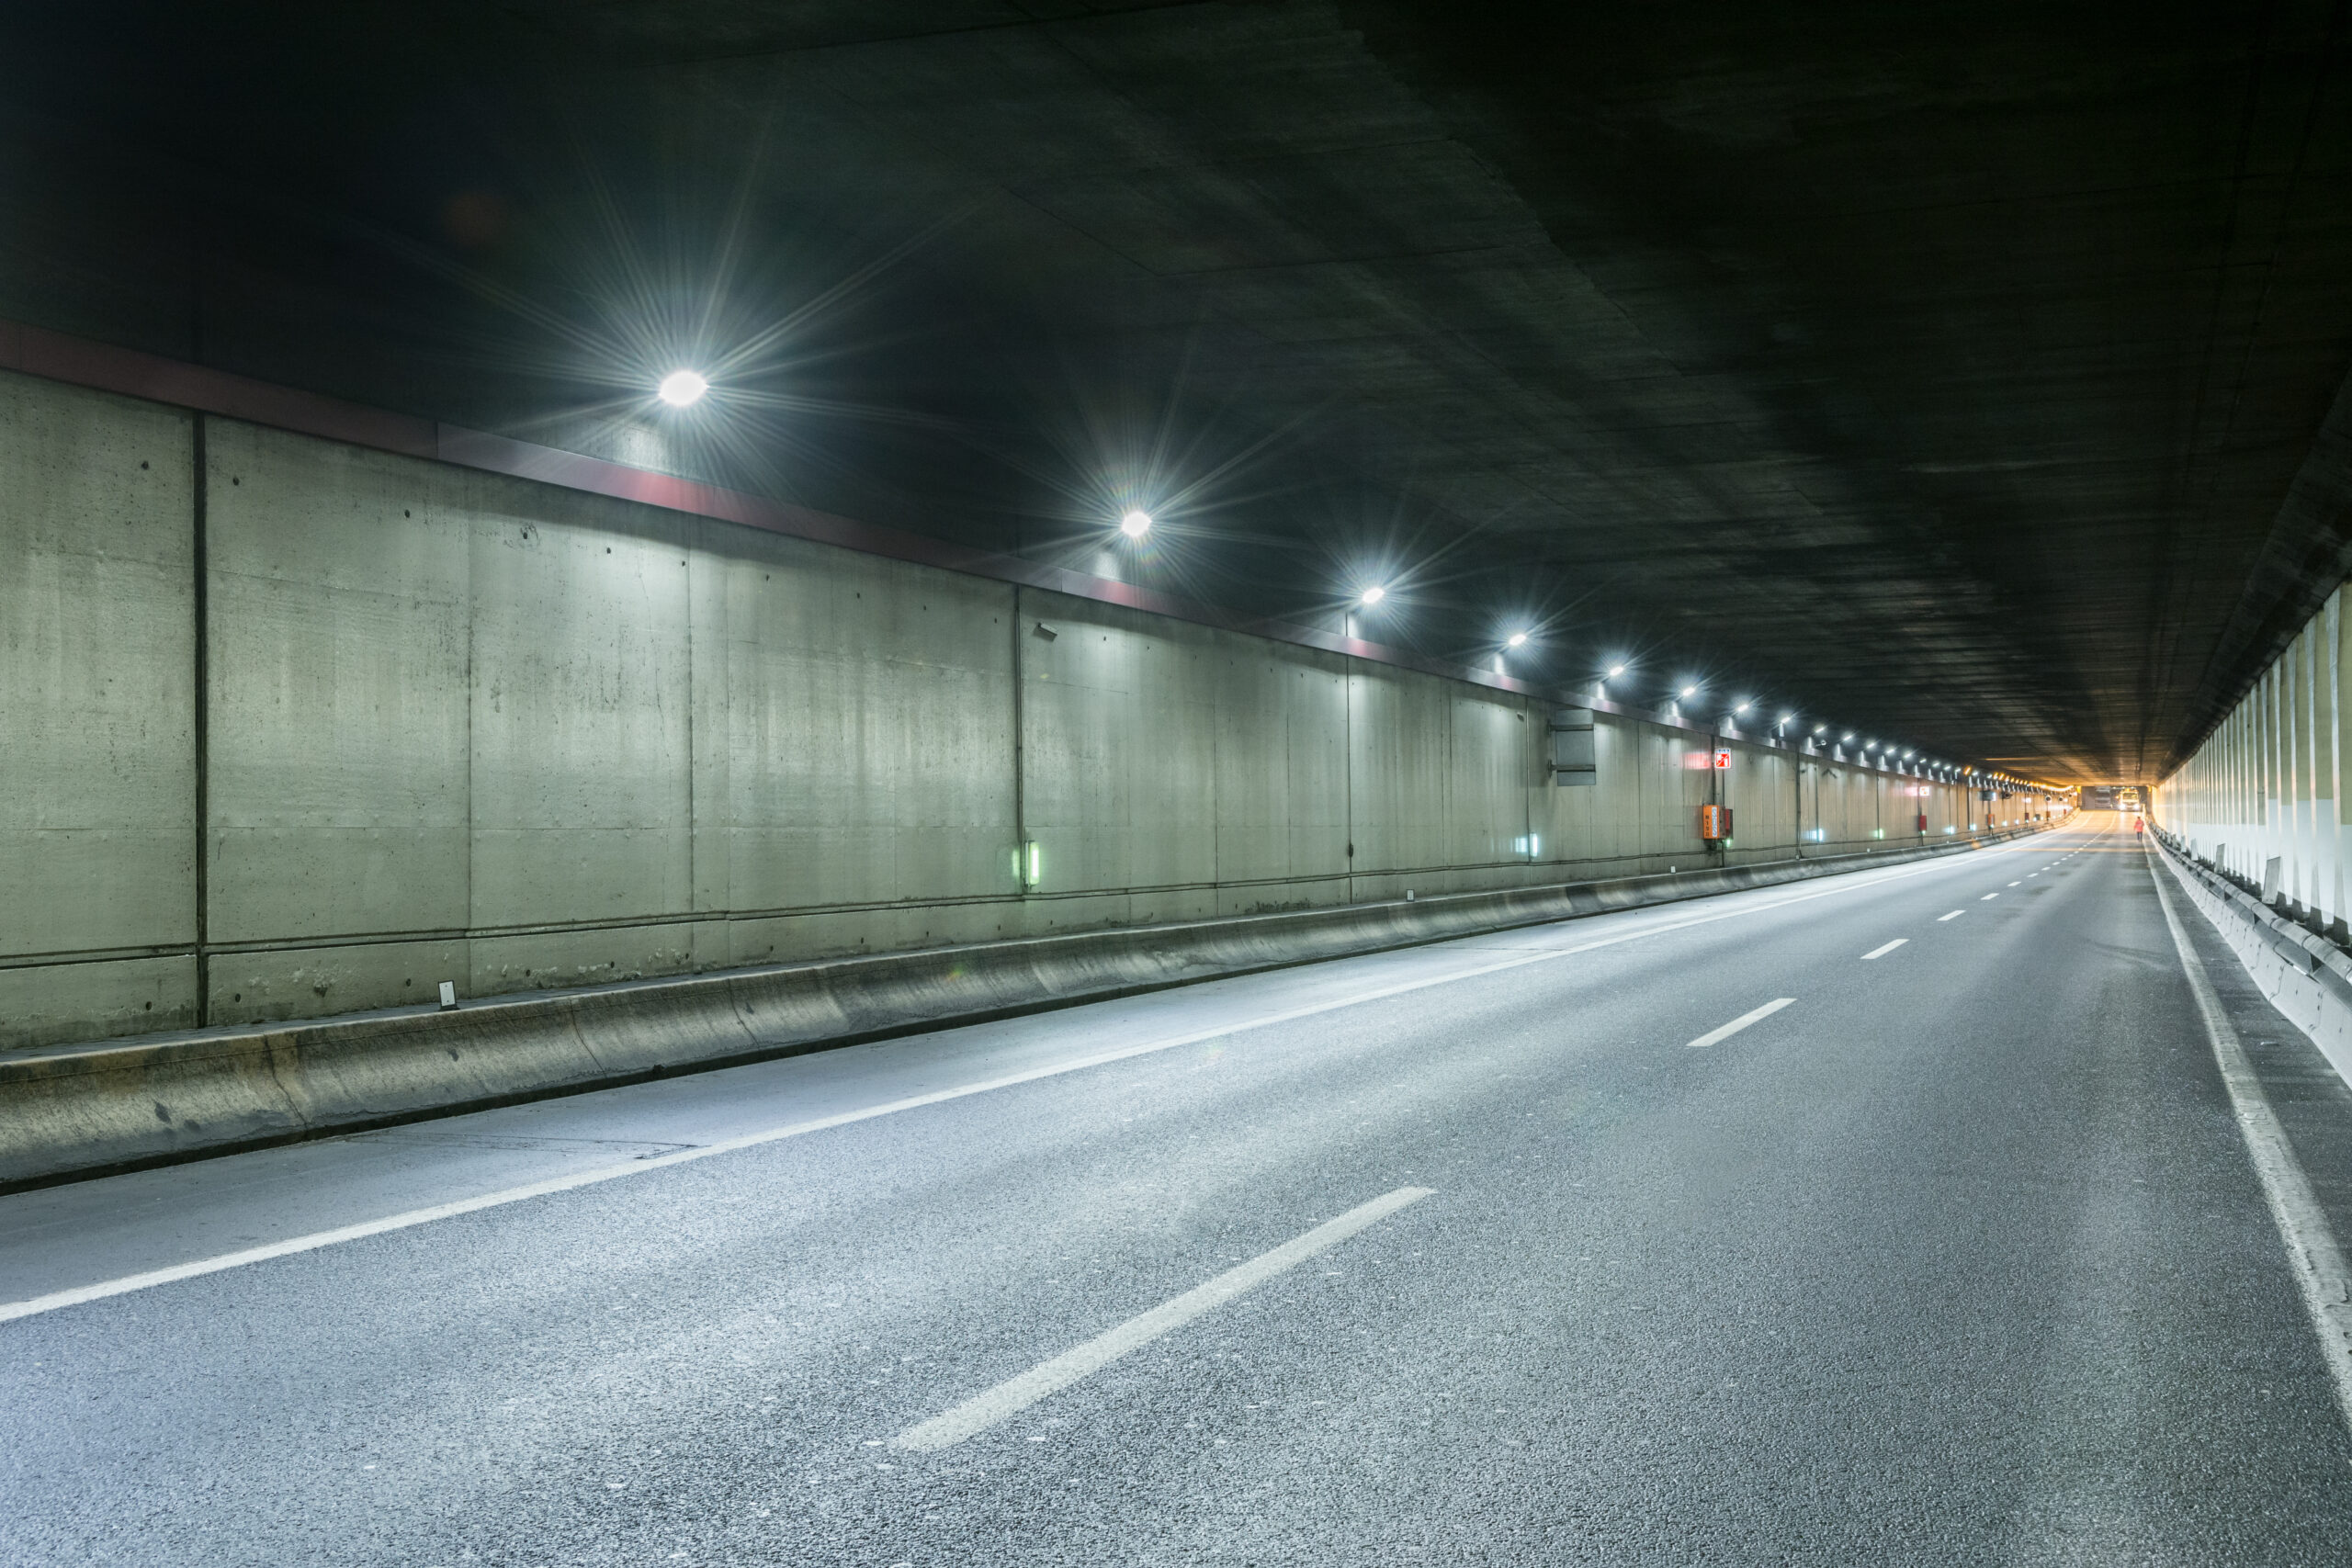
[98, 955]
[391, 939]
[1020, 755]
[199, 522]
[802, 911]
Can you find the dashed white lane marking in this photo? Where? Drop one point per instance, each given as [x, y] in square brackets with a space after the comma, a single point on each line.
[1988, 895]
[2013, 885]
[2311, 1251]
[1953, 916]
[1715, 1036]
[1883, 951]
[1013, 1395]
[292, 1245]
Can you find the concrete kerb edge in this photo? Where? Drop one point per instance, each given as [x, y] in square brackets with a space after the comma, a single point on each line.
[2306, 977]
[75, 1114]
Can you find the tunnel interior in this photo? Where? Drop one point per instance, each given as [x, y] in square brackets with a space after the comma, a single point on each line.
[962, 783]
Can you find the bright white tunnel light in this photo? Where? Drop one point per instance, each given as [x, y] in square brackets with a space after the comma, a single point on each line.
[1135, 525]
[1517, 639]
[1741, 709]
[1690, 690]
[1371, 595]
[680, 388]
[1615, 670]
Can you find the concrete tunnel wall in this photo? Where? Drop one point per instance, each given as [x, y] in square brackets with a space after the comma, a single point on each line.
[2262, 798]
[457, 726]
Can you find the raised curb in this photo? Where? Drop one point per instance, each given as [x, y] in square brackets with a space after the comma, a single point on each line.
[2306, 977]
[69, 1111]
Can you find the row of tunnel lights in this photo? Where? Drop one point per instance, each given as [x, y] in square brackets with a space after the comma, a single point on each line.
[1137, 523]
[682, 389]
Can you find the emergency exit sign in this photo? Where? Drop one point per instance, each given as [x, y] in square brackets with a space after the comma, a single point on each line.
[1723, 759]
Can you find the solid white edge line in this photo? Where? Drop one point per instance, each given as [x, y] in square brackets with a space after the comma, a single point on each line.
[1013, 1395]
[197, 1268]
[2311, 1252]
[1953, 916]
[1883, 951]
[1715, 1036]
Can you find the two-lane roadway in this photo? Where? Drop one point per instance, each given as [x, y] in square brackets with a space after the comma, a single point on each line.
[1898, 1216]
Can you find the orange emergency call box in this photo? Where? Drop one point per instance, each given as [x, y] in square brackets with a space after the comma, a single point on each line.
[1714, 823]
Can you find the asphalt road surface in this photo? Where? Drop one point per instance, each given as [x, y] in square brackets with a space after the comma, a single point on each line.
[1508, 1251]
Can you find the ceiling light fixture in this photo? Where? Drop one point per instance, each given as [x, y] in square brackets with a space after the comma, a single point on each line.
[680, 388]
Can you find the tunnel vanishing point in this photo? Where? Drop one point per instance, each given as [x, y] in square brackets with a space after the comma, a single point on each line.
[973, 784]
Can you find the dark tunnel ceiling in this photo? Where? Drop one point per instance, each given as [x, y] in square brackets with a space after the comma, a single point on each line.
[1964, 373]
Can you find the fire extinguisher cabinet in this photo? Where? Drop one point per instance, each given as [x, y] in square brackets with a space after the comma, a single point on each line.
[1714, 823]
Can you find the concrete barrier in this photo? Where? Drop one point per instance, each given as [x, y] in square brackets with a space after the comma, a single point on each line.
[2306, 977]
[86, 1109]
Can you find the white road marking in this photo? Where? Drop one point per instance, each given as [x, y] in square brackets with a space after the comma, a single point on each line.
[1988, 895]
[1883, 951]
[2311, 1251]
[1715, 1036]
[2013, 885]
[1953, 916]
[412, 1217]
[1013, 1395]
